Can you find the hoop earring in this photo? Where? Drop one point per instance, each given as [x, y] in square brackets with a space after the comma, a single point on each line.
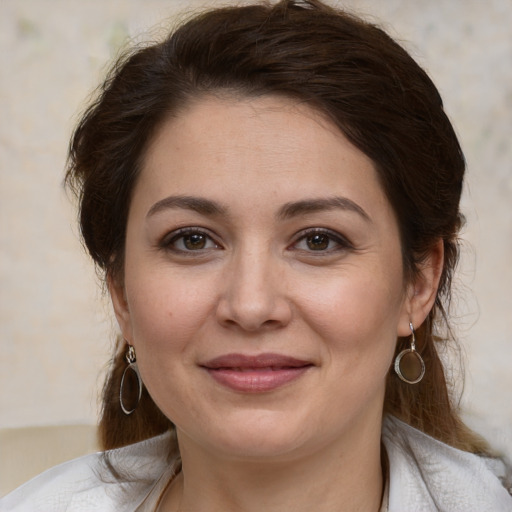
[132, 365]
[409, 365]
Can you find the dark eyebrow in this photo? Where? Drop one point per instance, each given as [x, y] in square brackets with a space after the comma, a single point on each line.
[316, 205]
[197, 204]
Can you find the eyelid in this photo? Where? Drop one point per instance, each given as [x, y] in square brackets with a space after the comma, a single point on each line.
[340, 239]
[167, 241]
[169, 238]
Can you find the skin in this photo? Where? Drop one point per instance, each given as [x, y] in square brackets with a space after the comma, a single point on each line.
[320, 281]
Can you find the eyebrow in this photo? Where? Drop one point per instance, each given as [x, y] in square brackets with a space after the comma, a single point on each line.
[211, 208]
[196, 204]
[297, 208]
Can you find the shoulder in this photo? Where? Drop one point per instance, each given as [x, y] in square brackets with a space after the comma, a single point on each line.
[426, 474]
[87, 483]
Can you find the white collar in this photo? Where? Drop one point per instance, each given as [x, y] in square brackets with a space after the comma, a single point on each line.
[424, 475]
[428, 475]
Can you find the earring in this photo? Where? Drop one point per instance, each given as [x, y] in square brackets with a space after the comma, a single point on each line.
[128, 383]
[409, 365]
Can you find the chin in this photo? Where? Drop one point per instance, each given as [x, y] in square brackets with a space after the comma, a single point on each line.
[255, 436]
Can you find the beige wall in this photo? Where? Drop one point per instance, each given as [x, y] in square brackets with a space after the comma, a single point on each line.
[55, 328]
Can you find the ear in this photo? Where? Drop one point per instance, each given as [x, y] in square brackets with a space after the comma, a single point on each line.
[422, 290]
[121, 310]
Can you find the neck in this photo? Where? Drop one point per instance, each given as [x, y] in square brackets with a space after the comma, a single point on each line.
[346, 476]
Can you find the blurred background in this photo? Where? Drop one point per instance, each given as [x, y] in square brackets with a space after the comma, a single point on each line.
[56, 326]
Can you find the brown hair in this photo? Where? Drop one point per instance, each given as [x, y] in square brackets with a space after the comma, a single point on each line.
[348, 69]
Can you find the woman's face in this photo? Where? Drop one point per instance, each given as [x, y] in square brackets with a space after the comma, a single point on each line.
[263, 287]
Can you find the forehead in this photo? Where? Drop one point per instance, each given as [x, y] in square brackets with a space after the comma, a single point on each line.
[260, 142]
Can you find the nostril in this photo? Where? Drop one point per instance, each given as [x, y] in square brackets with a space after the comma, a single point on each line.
[252, 297]
[253, 321]
[271, 323]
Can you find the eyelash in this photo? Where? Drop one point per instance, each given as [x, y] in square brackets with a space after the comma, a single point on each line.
[169, 241]
[342, 243]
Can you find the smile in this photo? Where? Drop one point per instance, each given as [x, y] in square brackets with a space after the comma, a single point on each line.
[255, 374]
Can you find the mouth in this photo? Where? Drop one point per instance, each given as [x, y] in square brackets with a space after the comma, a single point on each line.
[255, 374]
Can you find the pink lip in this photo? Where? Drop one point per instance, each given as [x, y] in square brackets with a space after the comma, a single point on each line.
[255, 374]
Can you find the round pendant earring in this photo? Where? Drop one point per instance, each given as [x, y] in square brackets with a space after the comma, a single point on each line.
[131, 386]
[409, 365]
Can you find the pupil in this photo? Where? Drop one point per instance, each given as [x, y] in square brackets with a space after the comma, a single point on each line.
[195, 241]
[318, 242]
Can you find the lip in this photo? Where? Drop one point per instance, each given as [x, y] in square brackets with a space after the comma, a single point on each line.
[255, 374]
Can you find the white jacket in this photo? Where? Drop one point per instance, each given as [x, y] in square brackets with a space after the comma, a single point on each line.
[424, 475]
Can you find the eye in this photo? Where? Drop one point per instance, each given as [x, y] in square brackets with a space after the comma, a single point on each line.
[321, 240]
[189, 240]
[318, 242]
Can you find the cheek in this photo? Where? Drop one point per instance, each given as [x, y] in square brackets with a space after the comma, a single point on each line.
[357, 312]
[166, 312]
[166, 316]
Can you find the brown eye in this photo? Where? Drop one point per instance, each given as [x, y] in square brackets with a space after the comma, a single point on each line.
[318, 241]
[194, 241]
[322, 242]
[189, 240]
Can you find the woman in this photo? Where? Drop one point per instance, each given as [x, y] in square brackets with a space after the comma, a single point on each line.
[272, 193]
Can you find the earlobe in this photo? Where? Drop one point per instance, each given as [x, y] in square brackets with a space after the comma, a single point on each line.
[422, 291]
[120, 304]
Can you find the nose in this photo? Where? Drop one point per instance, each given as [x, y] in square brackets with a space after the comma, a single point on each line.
[254, 294]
